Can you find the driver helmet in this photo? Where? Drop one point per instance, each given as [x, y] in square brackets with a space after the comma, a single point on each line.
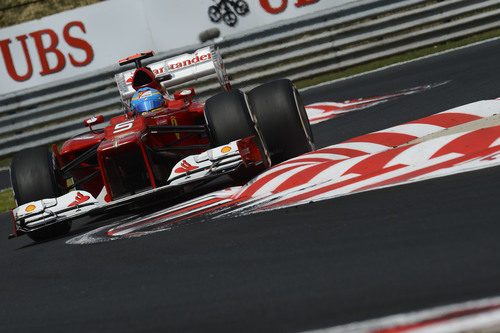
[147, 100]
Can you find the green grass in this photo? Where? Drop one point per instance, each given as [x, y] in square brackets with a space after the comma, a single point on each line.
[5, 162]
[19, 11]
[6, 200]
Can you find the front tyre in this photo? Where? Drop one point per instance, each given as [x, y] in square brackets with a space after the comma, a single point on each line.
[281, 120]
[228, 118]
[34, 177]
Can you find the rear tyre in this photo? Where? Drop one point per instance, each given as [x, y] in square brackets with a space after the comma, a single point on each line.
[34, 177]
[281, 119]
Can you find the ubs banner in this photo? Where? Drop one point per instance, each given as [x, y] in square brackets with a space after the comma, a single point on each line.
[90, 38]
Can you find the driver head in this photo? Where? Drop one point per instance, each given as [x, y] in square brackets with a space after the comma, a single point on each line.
[146, 100]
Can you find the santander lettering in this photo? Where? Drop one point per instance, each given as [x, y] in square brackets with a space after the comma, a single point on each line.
[189, 62]
[172, 66]
[43, 50]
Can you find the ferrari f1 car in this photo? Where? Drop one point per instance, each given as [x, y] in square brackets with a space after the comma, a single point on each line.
[160, 142]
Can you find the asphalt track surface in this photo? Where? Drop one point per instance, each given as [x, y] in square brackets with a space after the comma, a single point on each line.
[347, 259]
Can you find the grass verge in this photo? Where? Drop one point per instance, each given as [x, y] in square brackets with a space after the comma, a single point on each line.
[5, 162]
[19, 11]
[6, 200]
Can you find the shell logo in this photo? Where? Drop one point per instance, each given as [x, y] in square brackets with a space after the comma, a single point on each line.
[30, 208]
[225, 149]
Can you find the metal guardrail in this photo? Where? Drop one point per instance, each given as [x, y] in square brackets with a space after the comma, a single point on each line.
[359, 32]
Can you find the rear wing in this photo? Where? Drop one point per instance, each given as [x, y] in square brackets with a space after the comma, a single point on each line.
[182, 68]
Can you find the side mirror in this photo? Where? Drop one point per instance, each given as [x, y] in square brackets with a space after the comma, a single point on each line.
[184, 94]
[93, 121]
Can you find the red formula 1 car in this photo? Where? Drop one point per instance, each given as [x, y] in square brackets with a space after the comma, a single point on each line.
[166, 145]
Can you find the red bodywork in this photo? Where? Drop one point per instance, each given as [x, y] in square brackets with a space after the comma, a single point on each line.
[132, 154]
[137, 153]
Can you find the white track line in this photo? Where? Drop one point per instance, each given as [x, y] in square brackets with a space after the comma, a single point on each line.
[416, 130]
[413, 317]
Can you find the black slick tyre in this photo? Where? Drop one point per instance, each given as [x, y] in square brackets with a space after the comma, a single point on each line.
[281, 120]
[33, 175]
[228, 118]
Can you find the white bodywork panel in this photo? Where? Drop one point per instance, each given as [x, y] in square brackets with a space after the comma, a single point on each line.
[212, 161]
[183, 68]
[46, 211]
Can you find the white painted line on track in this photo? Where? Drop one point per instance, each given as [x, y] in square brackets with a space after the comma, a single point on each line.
[271, 185]
[474, 323]
[337, 171]
[318, 155]
[422, 152]
[399, 64]
[495, 143]
[366, 147]
[484, 108]
[357, 186]
[470, 322]
[416, 130]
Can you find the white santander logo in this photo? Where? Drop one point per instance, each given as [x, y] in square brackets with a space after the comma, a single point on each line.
[188, 62]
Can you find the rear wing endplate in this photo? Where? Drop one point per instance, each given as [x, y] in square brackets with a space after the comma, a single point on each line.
[182, 68]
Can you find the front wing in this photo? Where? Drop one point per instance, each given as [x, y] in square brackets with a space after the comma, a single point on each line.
[194, 168]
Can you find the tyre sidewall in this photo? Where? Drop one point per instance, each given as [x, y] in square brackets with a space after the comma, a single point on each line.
[281, 119]
[228, 118]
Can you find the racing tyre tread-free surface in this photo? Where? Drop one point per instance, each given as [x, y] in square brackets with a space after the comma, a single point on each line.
[228, 118]
[33, 176]
[281, 119]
